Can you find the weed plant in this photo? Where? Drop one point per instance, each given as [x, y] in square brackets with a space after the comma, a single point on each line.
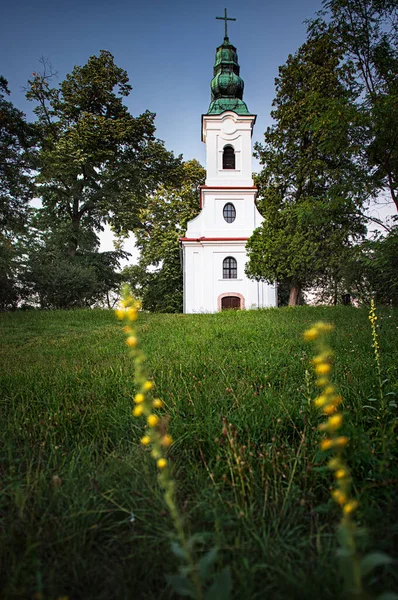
[81, 511]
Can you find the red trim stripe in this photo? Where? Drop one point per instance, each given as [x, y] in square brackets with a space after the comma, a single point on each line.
[227, 187]
[217, 239]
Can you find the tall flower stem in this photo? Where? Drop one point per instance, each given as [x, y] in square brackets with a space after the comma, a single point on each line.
[328, 403]
[156, 437]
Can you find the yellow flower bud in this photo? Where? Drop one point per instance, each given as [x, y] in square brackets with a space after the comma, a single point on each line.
[329, 409]
[145, 440]
[127, 329]
[131, 341]
[157, 403]
[341, 474]
[166, 440]
[335, 421]
[310, 334]
[126, 301]
[326, 444]
[324, 327]
[138, 410]
[120, 313]
[350, 507]
[323, 369]
[320, 401]
[339, 497]
[162, 463]
[152, 420]
[148, 385]
[138, 398]
[341, 441]
[131, 314]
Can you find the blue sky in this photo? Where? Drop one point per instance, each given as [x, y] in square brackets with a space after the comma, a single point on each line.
[167, 48]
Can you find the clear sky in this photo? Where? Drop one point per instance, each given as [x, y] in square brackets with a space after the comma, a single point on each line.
[166, 46]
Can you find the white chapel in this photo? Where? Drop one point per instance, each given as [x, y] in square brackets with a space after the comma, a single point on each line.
[213, 249]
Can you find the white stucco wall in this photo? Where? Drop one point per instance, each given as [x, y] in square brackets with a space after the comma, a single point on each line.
[209, 238]
[236, 131]
[204, 283]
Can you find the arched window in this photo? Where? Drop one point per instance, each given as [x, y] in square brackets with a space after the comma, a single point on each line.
[229, 212]
[229, 268]
[228, 158]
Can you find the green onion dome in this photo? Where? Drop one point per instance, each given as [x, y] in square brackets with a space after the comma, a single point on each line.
[226, 85]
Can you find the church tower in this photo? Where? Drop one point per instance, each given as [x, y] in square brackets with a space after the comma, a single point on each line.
[213, 251]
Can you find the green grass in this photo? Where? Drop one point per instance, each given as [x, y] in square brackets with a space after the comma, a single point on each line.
[81, 514]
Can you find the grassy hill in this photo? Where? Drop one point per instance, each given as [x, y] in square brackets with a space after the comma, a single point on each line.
[82, 515]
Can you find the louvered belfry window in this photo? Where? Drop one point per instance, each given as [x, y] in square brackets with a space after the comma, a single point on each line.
[229, 268]
[228, 158]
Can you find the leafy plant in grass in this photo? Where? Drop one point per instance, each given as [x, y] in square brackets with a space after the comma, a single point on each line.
[194, 575]
[354, 568]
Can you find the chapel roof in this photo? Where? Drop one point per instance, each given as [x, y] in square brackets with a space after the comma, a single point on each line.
[227, 85]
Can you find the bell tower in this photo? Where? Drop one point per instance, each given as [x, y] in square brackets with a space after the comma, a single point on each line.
[213, 251]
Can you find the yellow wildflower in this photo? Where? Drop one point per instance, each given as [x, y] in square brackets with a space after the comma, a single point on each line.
[162, 463]
[341, 441]
[157, 403]
[339, 497]
[326, 444]
[350, 507]
[145, 440]
[152, 420]
[138, 410]
[320, 401]
[148, 385]
[311, 334]
[335, 421]
[126, 302]
[341, 474]
[138, 398]
[323, 369]
[131, 341]
[120, 313]
[166, 440]
[329, 409]
[131, 314]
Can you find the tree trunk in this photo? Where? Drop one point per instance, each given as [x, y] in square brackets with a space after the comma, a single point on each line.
[294, 294]
[74, 237]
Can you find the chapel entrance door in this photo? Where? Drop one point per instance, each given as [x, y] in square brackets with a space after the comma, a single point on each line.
[230, 303]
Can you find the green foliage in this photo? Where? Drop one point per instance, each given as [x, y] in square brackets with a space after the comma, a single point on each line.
[158, 278]
[54, 279]
[371, 270]
[79, 490]
[311, 187]
[16, 161]
[367, 32]
[97, 163]
[8, 285]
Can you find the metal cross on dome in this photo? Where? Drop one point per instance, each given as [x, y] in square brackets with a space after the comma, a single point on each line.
[225, 18]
